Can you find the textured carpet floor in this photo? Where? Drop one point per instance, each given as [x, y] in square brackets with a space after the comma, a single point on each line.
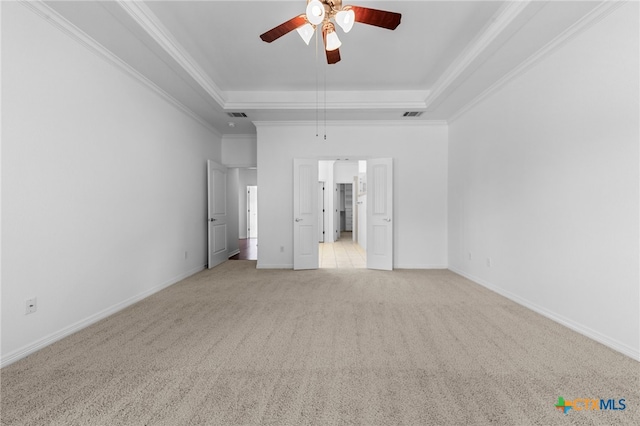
[240, 346]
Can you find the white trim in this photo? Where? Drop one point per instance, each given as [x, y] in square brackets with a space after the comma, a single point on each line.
[501, 20]
[594, 16]
[233, 253]
[296, 105]
[58, 21]
[150, 23]
[420, 266]
[379, 123]
[577, 327]
[334, 99]
[274, 266]
[92, 319]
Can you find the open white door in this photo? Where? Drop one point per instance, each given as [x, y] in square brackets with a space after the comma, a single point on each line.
[321, 212]
[336, 212]
[217, 222]
[380, 214]
[305, 214]
[252, 211]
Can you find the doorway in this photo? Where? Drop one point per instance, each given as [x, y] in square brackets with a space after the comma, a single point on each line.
[378, 207]
[248, 224]
[340, 246]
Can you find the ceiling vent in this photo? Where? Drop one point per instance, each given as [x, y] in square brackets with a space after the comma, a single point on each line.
[412, 114]
[236, 114]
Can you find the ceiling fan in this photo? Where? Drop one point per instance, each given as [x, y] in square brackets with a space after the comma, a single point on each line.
[321, 12]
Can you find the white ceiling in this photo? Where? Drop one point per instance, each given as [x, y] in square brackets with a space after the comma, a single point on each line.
[208, 56]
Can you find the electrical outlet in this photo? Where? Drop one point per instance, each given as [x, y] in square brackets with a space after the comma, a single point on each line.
[186, 254]
[31, 306]
[488, 261]
[281, 249]
[469, 255]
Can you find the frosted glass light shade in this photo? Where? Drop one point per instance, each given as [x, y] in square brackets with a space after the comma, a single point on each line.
[345, 18]
[315, 12]
[333, 42]
[306, 32]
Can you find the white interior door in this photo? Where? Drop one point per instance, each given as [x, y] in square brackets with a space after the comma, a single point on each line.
[321, 212]
[354, 236]
[336, 212]
[252, 212]
[217, 209]
[305, 214]
[380, 214]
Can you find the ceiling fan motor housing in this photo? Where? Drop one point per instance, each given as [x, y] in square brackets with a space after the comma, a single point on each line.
[331, 7]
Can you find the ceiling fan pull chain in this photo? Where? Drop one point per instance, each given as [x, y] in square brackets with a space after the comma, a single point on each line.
[326, 67]
[317, 85]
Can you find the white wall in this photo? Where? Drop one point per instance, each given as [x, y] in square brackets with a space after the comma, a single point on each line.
[239, 151]
[543, 179]
[420, 161]
[344, 171]
[103, 186]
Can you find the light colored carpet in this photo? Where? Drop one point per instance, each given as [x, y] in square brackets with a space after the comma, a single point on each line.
[240, 346]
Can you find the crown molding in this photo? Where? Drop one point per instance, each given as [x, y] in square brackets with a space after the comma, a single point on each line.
[150, 23]
[595, 15]
[62, 24]
[501, 20]
[420, 106]
[310, 100]
[351, 123]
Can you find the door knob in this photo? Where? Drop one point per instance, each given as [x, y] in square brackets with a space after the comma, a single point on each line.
[298, 219]
[387, 219]
[212, 220]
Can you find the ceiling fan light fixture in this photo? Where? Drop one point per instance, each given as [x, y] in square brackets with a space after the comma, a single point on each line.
[332, 40]
[345, 18]
[306, 32]
[315, 12]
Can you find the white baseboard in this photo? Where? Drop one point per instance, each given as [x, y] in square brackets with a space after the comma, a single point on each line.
[420, 266]
[233, 253]
[577, 327]
[400, 266]
[77, 326]
[274, 266]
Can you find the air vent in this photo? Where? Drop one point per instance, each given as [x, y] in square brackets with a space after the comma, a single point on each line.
[236, 114]
[412, 114]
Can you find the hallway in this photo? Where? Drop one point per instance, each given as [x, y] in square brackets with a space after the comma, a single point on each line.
[248, 249]
[343, 254]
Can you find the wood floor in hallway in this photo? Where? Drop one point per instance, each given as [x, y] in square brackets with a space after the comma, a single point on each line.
[248, 249]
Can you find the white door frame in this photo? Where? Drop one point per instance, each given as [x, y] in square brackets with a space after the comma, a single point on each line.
[379, 216]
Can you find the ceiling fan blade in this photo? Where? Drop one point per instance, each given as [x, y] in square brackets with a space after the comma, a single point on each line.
[284, 28]
[379, 18]
[333, 56]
